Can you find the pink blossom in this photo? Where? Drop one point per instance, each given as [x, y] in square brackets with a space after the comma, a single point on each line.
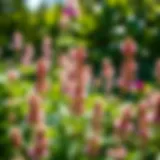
[129, 47]
[97, 117]
[28, 54]
[108, 69]
[35, 114]
[17, 41]
[47, 47]
[40, 147]
[42, 69]
[123, 125]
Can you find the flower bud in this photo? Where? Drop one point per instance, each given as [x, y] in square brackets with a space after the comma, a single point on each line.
[35, 114]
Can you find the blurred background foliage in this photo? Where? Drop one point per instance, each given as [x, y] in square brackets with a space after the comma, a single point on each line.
[101, 27]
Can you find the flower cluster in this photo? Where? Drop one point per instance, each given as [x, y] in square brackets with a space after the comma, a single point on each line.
[75, 78]
[70, 10]
[39, 149]
[129, 67]
[140, 120]
[108, 73]
[28, 54]
[17, 41]
[124, 125]
[41, 73]
[94, 141]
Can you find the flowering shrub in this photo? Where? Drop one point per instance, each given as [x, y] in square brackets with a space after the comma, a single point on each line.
[56, 112]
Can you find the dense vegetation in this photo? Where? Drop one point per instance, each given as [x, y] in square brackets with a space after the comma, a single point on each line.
[80, 82]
